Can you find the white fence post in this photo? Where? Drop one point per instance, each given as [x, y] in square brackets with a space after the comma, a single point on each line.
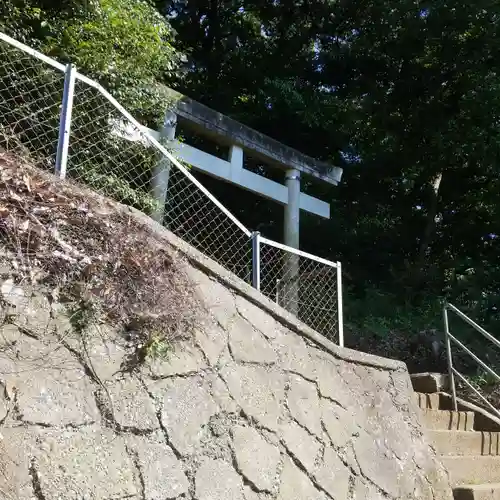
[340, 300]
[256, 260]
[65, 121]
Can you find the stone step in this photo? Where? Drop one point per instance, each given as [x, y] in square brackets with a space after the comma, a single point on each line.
[483, 420]
[429, 382]
[445, 420]
[466, 442]
[472, 470]
[427, 401]
[477, 492]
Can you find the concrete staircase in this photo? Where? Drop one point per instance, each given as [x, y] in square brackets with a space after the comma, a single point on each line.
[467, 441]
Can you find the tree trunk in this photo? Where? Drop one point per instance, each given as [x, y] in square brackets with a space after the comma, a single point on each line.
[430, 227]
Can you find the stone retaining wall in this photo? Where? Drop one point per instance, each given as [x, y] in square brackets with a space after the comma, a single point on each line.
[253, 407]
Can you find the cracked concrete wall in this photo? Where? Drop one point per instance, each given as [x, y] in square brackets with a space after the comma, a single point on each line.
[247, 410]
[251, 408]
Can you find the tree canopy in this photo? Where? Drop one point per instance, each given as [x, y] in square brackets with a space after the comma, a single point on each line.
[126, 45]
[404, 95]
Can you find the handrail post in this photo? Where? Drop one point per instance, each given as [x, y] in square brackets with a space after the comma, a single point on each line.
[339, 304]
[256, 260]
[451, 375]
[65, 121]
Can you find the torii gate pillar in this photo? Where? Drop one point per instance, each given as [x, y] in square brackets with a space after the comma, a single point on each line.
[291, 237]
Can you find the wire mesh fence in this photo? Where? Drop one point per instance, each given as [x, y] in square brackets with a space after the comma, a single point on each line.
[106, 152]
[303, 284]
[110, 152]
[30, 102]
[194, 218]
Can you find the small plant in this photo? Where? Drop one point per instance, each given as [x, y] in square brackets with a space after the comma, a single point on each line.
[483, 379]
[85, 312]
[157, 347]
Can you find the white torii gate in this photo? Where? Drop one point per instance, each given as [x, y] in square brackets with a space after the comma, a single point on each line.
[241, 138]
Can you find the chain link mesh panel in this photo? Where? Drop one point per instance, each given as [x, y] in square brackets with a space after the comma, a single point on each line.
[109, 153]
[193, 217]
[30, 104]
[303, 286]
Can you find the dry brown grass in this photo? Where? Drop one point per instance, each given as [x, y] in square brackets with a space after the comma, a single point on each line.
[81, 249]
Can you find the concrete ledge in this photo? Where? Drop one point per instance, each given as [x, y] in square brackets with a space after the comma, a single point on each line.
[209, 266]
[427, 401]
[429, 382]
[466, 442]
[484, 420]
[472, 470]
[444, 420]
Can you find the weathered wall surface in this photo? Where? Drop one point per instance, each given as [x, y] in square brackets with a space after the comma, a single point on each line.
[246, 410]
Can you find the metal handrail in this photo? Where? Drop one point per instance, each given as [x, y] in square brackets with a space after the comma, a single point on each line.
[452, 371]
